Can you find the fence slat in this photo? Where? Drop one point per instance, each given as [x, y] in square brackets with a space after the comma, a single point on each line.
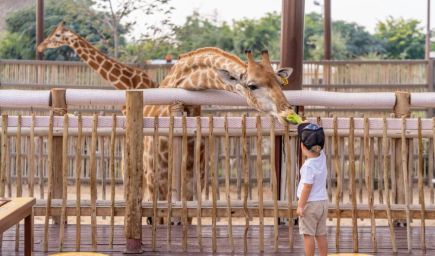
[351, 151]
[227, 186]
[19, 171]
[78, 166]
[274, 183]
[184, 181]
[4, 138]
[93, 177]
[198, 181]
[112, 180]
[339, 184]
[213, 182]
[369, 182]
[405, 180]
[387, 185]
[155, 182]
[259, 170]
[170, 168]
[50, 177]
[245, 182]
[65, 160]
[421, 188]
[31, 159]
[288, 163]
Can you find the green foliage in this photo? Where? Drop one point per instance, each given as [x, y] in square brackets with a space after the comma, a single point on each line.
[13, 46]
[20, 40]
[402, 39]
[199, 32]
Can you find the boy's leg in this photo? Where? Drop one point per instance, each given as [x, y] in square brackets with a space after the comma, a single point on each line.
[309, 245]
[322, 243]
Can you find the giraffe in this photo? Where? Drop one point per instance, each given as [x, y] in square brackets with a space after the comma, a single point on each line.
[205, 68]
[121, 76]
[212, 68]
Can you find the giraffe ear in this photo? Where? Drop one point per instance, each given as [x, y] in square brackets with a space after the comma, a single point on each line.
[284, 72]
[227, 77]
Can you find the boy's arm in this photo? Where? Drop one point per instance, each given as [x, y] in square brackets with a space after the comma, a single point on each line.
[306, 190]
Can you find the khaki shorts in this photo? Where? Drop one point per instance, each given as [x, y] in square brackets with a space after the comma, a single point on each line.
[313, 222]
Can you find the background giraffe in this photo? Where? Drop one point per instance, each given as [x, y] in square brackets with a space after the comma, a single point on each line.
[205, 68]
[121, 76]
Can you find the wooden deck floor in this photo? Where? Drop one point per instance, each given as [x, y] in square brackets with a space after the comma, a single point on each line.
[383, 237]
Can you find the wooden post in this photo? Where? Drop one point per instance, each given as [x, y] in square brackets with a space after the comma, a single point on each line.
[134, 171]
[292, 55]
[401, 109]
[59, 108]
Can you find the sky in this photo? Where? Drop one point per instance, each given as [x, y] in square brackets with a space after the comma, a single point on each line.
[363, 12]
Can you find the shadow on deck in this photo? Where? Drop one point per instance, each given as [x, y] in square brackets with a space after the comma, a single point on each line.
[383, 238]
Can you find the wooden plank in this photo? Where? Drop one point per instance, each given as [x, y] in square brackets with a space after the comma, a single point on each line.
[274, 182]
[387, 186]
[421, 188]
[213, 183]
[41, 165]
[112, 180]
[170, 170]
[4, 144]
[339, 184]
[351, 151]
[433, 162]
[368, 179]
[50, 177]
[260, 174]
[198, 181]
[78, 167]
[31, 158]
[93, 177]
[19, 171]
[155, 182]
[63, 218]
[245, 182]
[184, 180]
[227, 184]
[406, 182]
[290, 187]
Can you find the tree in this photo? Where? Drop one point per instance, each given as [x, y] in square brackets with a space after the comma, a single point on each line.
[357, 40]
[19, 42]
[402, 39]
[199, 32]
[115, 11]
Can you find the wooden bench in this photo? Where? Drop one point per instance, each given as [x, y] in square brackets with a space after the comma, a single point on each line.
[12, 211]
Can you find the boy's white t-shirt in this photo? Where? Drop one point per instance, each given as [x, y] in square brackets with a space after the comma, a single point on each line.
[314, 171]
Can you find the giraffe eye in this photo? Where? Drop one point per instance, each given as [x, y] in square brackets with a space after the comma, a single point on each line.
[252, 87]
[57, 35]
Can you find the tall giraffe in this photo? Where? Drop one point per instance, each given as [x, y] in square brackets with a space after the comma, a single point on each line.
[212, 68]
[205, 68]
[119, 75]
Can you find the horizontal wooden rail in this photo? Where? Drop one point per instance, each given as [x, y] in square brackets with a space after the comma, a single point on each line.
[104, 209]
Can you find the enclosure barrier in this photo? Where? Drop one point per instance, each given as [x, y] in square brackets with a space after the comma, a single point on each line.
[370, 163]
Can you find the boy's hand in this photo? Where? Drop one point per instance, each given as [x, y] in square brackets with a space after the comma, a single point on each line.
[300, 211]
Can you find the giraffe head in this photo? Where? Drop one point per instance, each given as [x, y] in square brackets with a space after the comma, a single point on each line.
[261, 86]
[58, 37]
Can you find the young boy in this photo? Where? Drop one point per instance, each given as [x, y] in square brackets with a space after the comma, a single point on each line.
[313, 198]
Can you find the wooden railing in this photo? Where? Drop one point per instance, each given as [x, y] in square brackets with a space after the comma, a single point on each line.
[382, 75]
[358, 182]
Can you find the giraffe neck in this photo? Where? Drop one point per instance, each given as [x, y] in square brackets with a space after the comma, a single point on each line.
[119, 75]
[196, 70]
